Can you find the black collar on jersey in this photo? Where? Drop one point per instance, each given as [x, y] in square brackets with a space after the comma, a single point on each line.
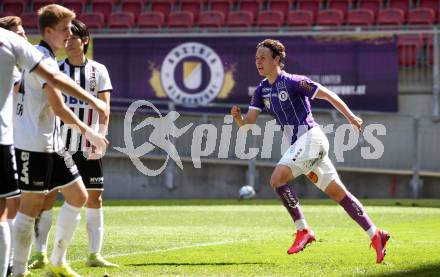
[84, 64]
[45, 45]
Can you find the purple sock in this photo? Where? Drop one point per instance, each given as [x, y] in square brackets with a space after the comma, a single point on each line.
[355, 209]
[290, 201]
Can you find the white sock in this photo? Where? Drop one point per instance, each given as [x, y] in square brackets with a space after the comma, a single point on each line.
[301, 224]
[41, 232]
[371, 231]
[95, 229]
[11, 228]
[67, 222]
[5, 244]
[22, 240]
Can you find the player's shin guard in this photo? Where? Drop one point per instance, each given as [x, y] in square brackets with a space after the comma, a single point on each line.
[22, 239]
[357, 212]
[95, 229]
[291, 202]
[41, 232]
[68, 220]
[5, 244]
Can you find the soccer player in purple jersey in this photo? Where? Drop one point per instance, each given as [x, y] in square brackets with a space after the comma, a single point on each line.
[287, 98]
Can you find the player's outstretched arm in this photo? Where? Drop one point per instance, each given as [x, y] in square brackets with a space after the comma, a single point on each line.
[62, 82]
[336, 101]
[250, 118]
[104, 121]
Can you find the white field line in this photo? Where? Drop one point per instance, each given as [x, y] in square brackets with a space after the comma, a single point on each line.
[171, 248]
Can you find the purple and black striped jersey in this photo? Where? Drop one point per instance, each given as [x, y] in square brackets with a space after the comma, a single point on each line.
[287, 100]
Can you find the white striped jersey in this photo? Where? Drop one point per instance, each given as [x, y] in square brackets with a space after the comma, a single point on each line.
[92, 77]
[36, 127]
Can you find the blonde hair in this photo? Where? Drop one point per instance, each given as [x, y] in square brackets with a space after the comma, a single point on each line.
[8, 22]
[51, 15]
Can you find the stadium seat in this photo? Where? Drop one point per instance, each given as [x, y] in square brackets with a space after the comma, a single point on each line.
[38, 4]
[404, 5]
[151, 20]
[270, 19]
[330, 18]
[421, 16]
[342, 5]
[280, 5]
[372, 5]
[163, 6]
[211, 19]
[193, 6]
[92, 20]
[252, 6]
[136, 7]
[390, 17]
[240, 19]
[16, 7]
[30, 20]
[104, 7]
[119, 20]
[75, 5]
[430, 4]
[409, 46]
[310, 5]
[3, 14]
[180, 19]
[360, 17]
[223, 6]
[300, 18]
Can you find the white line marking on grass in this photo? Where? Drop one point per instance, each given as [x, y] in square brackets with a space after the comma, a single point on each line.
[172, 248]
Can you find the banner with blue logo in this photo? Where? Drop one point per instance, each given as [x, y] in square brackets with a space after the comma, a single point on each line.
[196, 71]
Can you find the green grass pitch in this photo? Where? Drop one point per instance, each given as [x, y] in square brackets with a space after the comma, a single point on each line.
[250, 238]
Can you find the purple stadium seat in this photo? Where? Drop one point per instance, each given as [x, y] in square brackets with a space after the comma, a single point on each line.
[408, 48]
[136, 7]
[151, 20]
[361, 17]
[421, 16]
[29, 20]
[373, 5]
[390, 17]
[270, 19]
[75, 5]
[310, 5]
[240, 19]
[211, 19]
[192, 6]
[280, 5]
[180, 19]
[223, 6]
[121, 20]
[163, 6]
[16, 7]
[330, 18]
[252, 6]
[300, 18]
[92, 20]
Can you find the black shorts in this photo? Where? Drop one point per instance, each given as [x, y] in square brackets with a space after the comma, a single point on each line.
[90, 170]
[8, 172]
[43, 172]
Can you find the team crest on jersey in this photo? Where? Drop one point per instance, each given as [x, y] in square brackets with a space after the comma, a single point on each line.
[267, 103]
[192, 74]
[283, 95]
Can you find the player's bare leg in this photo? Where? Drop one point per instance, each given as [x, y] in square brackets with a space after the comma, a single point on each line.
[337, 191]
[280, 176]
[95, 230]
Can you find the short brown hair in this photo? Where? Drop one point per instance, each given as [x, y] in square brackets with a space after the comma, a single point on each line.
[8, 22]
[51, 15]
[276, 47]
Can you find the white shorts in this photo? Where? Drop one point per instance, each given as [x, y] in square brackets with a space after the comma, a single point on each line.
[309, 156]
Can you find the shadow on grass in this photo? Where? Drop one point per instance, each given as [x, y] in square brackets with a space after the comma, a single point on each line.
[198, 264]
[426, 270]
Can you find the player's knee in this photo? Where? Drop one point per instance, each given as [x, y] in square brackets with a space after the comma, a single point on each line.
[275, 181]
[94, 202]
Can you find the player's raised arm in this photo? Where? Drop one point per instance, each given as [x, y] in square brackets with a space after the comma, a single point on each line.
[339, 104]
[249, 118]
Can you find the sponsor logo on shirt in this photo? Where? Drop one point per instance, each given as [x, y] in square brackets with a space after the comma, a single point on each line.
[305, 85]
[266, 90]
